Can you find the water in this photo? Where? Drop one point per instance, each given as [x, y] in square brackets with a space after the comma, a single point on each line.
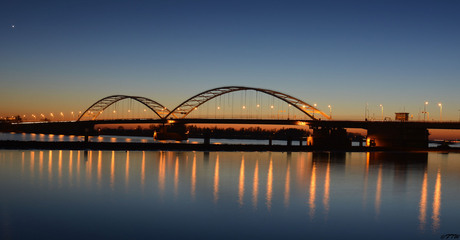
[227, 195]
[107, 138]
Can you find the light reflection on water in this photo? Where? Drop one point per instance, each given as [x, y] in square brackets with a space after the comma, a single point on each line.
[239, 195]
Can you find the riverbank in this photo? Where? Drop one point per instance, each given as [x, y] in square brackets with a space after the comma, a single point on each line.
[123, 146]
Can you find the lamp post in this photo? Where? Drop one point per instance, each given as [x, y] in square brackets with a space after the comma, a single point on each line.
[424, 111]
[440, 111]
[330, 111]
[381, 106]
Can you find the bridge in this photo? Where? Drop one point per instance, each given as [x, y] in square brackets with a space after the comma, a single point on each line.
[237, 105]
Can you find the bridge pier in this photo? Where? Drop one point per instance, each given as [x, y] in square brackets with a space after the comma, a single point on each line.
[174, 131]
[330, 137]
[397, 137]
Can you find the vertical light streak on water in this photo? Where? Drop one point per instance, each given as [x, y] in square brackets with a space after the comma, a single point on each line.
[143, 171]
[437, 203]
[311, 201]
[366, 179]
[216, 180]
[127, 172]
[423, 201]
[161, 173]
[78, 168]
[327, 184]
[60, 169]
[193, 180]
[22, 163]
[32, 163]
[287, 185]
[50, 168]
[99, 169]
[40, 166]
[176, 177]
[378, 192]
[269, 194]
[89, 164]
[70, 167]
[241, 183]
[255, 186]
[112, 171]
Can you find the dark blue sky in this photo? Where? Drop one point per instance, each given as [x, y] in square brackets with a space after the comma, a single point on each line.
[64, 55]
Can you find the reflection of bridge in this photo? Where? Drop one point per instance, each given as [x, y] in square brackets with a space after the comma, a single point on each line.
[253, 106]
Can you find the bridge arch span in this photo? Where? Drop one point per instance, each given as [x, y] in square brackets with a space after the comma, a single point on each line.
[98, 107]
[194, 102]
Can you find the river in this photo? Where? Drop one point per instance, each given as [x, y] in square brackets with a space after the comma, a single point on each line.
[228, 195]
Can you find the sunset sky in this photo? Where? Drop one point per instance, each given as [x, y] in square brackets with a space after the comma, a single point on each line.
[65, 55]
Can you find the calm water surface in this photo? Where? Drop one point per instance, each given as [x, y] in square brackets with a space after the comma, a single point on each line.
[227, 195]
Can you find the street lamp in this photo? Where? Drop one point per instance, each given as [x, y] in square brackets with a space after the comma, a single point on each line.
[330, 111]
[381, 106]
[424, 111]
[440, 111]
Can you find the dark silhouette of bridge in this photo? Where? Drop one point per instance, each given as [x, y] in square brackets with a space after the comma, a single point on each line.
[326, 132]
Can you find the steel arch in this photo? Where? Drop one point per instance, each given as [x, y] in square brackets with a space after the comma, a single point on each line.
[98, 107]
[192, 103]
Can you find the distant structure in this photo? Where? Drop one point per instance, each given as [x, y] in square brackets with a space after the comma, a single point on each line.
[402, 116]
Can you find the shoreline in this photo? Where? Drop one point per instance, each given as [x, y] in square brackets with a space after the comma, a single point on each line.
[28, 145]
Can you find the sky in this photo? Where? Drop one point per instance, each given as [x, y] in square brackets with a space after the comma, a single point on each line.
[65, 55]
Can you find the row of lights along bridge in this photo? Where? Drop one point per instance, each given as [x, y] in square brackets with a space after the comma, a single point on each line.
[61, 116]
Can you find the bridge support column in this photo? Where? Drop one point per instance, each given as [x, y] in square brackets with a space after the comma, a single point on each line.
[329, 137]
[397, 137]
[86, 135]
[176, 132]
[207, 138]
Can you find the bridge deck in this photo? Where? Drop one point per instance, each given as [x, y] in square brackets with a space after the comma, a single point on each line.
[313, 123]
